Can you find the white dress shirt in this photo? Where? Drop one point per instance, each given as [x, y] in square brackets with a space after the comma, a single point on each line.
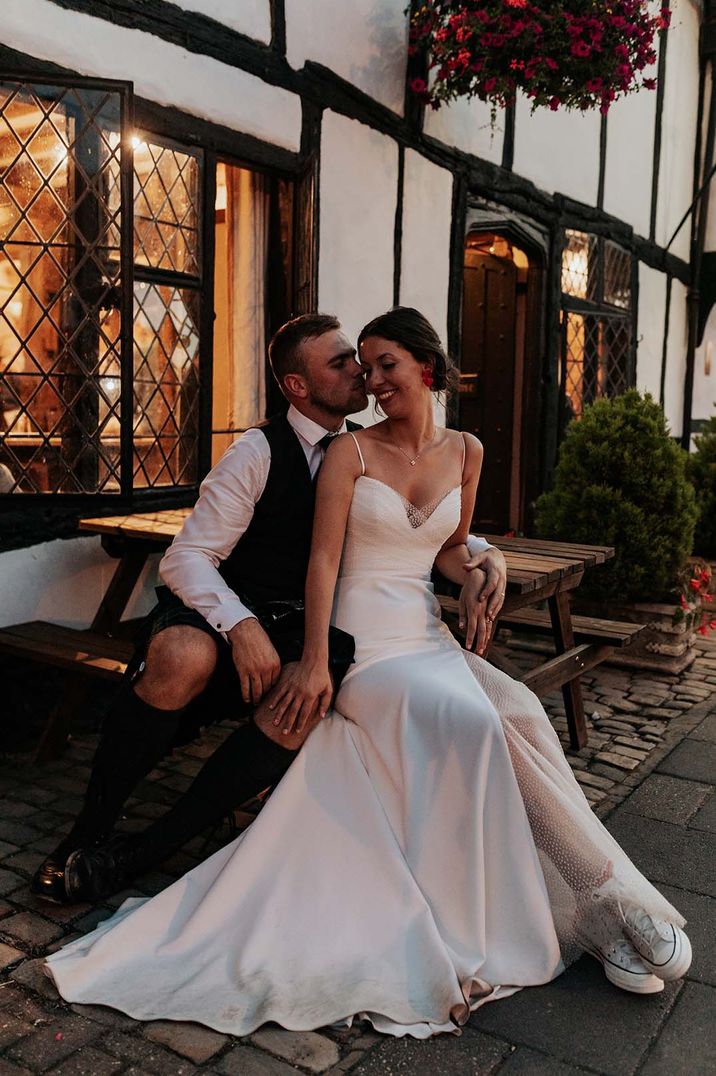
[227, 498]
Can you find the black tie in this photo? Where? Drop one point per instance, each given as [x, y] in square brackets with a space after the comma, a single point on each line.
[325, 441]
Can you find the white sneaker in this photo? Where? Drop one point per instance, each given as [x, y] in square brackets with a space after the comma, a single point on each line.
[624, 967]
[664, 948]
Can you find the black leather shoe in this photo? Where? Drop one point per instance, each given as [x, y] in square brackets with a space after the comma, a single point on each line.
[91, 874]
[48, 881]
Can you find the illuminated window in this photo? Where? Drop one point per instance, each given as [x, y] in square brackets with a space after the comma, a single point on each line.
[597, 329]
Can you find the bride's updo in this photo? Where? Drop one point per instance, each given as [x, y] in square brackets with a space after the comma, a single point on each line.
[409, 328]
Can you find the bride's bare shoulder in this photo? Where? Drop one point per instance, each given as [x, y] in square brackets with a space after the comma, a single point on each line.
[473, 450]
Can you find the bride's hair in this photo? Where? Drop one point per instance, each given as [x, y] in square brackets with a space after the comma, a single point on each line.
[406, 326]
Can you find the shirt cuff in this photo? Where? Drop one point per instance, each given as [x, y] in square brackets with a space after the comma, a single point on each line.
[477, 545]
[227, 615]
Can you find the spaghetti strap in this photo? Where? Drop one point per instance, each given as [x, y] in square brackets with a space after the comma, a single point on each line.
[464, 453]
[360, 454]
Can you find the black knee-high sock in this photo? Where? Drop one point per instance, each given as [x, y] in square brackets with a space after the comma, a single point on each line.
[135, 737]
[245, 764]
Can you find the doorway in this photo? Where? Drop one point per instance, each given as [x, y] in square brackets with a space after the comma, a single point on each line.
[499, 375]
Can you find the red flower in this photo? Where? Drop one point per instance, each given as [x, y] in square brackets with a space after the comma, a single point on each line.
[491, 48]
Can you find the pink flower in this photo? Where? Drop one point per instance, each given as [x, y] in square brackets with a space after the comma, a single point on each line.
[554, 103]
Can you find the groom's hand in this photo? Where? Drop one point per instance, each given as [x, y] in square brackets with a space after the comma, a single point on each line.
[255, 659]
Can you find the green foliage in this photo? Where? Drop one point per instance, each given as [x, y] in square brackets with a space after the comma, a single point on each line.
[702, 472]
[621, 480]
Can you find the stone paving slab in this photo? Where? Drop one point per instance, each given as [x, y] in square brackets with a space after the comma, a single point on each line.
[469, 1054]
[706, 817]
[700, 914]
[666, 853]
[687, 1042]
[706, 730]
[525, 1062]
[694, 760]
[570, 1017]
[669, 799]
[246, 1061]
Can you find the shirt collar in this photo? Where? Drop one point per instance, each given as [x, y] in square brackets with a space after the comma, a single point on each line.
[307, 429]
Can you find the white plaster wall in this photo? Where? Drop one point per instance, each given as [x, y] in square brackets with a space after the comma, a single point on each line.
[630, 154]
[425, 257]
[704, 401]
[678, 131]
[359, 184]
[160, 71]
[250, 17]
[676, 359]
[650, 329]
[466, 124]
[64, 581]
[364, 41]
[558, 151]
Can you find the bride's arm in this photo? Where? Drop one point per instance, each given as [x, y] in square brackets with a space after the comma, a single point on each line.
[311, 687]
[454, 560]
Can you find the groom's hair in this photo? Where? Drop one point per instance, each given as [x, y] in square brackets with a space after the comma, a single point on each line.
[286, 346]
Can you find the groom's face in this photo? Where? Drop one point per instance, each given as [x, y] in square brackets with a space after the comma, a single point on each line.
[333, 376]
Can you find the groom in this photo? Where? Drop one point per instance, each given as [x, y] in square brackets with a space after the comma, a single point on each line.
[225, 631]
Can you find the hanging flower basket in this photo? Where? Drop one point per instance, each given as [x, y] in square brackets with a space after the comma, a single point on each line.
[560, 53]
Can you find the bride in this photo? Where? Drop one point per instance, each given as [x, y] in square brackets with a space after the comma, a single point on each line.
[429, 850]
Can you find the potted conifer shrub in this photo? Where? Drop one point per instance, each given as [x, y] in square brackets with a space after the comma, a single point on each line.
[621, 480]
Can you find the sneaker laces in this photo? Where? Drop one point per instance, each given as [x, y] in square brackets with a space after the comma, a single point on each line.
[649, 930]
[624, 955]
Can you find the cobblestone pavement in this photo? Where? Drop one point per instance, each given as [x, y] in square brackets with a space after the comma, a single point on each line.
[650, 769]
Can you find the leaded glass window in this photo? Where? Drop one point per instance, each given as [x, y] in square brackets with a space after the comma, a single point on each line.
[61, 279]
[597, 330]
[100, 283]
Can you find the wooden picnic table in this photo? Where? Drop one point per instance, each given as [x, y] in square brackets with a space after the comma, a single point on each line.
[537, 572]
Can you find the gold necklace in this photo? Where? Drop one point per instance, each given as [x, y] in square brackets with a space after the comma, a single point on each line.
[415, 459]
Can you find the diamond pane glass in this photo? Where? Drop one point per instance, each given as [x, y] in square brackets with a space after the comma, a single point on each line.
[617, 276]
[166, 210]
[579, 277]
[166, 385]
[596, 359]
[59, 288]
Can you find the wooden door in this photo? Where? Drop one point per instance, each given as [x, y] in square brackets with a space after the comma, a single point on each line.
[487, 378]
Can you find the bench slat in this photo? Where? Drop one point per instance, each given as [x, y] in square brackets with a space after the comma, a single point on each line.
[68, 648]
[565, 667]
[617, 632]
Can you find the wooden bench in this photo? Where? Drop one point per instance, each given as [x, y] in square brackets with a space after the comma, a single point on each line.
[67, 648]
[80, 652]
[595, 639]
[593, 642]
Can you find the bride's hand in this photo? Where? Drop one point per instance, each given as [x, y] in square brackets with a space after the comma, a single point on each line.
[303, 692]
[473, 612]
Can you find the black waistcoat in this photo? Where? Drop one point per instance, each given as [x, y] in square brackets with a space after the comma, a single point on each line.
[270, 560]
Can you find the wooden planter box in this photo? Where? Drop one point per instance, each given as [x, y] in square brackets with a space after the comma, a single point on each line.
[664, 645]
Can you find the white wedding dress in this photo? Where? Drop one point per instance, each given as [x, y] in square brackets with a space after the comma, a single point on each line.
[428, 850]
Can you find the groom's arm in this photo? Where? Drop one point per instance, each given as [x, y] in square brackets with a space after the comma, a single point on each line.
[190, 567]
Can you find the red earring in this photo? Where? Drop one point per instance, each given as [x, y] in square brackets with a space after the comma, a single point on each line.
[428, 379]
